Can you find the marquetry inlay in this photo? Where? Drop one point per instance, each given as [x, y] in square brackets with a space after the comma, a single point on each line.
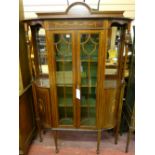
[75, 24]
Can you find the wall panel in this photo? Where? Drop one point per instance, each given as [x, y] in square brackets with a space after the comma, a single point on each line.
[33, 6]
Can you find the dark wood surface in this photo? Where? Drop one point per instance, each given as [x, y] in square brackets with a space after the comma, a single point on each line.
[109, 89]
[24, 63]
[44, 106]
[102, 85]
[27, 126]
[44, 83]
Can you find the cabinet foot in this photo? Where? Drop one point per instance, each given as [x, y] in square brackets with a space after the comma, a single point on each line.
[56, 151]
[56, 141]
[116, 139]
[128, 140]
[116, 134]
[97, 152]
[40, 136]
[39, 129]
[41, 139]
[98, 141]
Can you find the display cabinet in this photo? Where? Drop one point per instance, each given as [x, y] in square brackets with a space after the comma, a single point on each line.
[77, 60]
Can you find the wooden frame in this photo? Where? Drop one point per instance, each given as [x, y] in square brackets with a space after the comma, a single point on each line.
[108, 96]
[98, 73]
[51, 57]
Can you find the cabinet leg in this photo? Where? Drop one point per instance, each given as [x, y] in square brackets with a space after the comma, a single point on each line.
[98, 141]
[119, 113]
[117, 129]
[39, 130]
[56, 141]
[116, 134]
[128, 140]
[40, 136]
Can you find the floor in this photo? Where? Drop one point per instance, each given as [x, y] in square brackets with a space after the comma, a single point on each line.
[81, 143]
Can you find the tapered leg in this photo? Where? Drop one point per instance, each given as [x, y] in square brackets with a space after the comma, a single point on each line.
[121, 128]
[119, 114]
[116, 134]
[39, 130]
[98, 141]
[40, 137]
[128, 140]
[56, 141]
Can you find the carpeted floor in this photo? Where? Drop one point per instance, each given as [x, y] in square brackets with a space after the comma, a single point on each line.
[81, 143]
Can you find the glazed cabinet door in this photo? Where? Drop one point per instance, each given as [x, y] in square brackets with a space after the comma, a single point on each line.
[62, 76]
[89, 53]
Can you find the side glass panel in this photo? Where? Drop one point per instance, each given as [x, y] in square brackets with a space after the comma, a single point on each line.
[42, 52]
[31, 52]
[89, 46]
[112, 56]
[64, 77]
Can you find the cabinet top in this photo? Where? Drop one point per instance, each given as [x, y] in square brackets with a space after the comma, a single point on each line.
[80, 10]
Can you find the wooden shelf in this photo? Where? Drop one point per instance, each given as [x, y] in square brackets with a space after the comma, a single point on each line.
[64, 77]
[70, 60]
[66, 121]
[65, 102]
[88, 121]
[65, 60]
[91, 102]
[64, 85]
[110, 71]
[92, 82]
[44, 82]
[70, 85]
[88, 86]
[108, 84]
[86, 60]
[43, 54]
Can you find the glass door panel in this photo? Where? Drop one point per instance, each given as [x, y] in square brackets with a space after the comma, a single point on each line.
[64, 77]
[113, 48]
[112, 56]
[42, 52]
[89, 48]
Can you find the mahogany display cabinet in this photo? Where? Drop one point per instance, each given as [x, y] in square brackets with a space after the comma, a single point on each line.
[77, 60]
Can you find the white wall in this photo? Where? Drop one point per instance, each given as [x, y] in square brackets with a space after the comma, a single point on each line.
[32, 6]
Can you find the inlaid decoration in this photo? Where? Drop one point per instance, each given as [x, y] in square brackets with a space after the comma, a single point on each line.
[74, 24]
[62, 44]
[89, 44]
[41, 106]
